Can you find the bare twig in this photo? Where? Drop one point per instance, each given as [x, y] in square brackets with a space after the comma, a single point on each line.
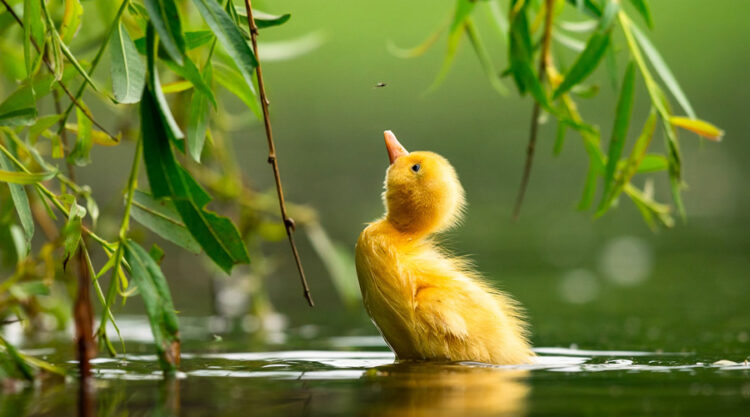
[288, 222]
[59, 82]
[544, 60]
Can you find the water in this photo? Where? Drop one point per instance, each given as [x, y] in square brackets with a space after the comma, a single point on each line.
[357, 376]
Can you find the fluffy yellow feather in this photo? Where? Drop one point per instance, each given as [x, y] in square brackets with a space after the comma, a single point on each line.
[426, 303]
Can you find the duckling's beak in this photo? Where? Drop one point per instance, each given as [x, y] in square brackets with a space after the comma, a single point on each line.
[395, 149]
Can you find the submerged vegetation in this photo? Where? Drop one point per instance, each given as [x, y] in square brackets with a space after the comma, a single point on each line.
[528, 30]
[179, 65]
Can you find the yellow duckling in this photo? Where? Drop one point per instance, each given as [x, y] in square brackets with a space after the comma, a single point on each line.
[426, 303]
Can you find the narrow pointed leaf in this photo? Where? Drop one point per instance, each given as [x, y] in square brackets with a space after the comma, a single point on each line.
[20, 202]
[19, 108]
[262, 19]
[155, 86]
[620, 130]
[642, 7]
[484, 58]
[154, 290]
[80, 155]
[216, 235]
[198, 122]
[191, 73]
[229, 36]
[586, 62]
[232, 80]
[161, 217]
[71, 20]
[23, 178]
[663, 70]
[165, 18]
[700, 127]
[127, 69]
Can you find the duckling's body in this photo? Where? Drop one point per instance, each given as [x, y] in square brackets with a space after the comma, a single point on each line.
[426, 303]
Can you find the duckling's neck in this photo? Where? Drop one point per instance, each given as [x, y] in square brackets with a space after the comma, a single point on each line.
[409, 229]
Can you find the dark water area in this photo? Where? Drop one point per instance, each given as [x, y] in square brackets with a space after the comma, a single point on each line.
[309, 375]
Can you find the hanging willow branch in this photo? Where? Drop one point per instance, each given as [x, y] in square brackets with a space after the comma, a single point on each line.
[544, 61]
[288, 221]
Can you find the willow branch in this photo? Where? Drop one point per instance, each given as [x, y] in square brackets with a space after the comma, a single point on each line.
[288, 222]
[67, 92]
[544, 60]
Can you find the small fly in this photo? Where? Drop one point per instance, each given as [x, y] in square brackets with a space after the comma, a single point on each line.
[380, 85]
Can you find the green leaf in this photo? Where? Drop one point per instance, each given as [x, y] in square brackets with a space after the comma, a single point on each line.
[191, 73]
[586, 62]
[635, 160]
[80, 155]
[215, 234]
[19, 109]
[20, 201]
[23, 178]
[198, 121]
[653, 163]
[192, 40]
[58, 43]
[663, 70]
[166, 20]
[229, 36]
[71, 20]
[589, 188]
[232, 80]
[520, 49]
[153, 288]
[127, 69]
[484, 58]
[645, 12]
[41, 125]
[619, 132]
[18, 361]
[155, 86]
[161, 217]
[33, 31]
[588, 6]
[262, 19]
[71, 232]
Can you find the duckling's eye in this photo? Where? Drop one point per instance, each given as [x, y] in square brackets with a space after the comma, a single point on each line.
[416, 167]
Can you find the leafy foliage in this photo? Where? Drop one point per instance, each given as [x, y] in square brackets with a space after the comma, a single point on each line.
[520, 28]
[180, 138]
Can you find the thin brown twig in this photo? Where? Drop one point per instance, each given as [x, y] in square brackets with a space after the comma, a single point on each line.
[59, 82]
[288, 222]
[544, 60]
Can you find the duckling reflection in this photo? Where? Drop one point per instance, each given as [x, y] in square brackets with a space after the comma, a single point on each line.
[445, 389]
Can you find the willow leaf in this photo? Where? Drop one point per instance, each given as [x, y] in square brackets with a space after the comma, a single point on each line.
[229, 36]
[215, 234]
[619, 131]
[198, 121]
[165, 18]
[20, 201]
[153, 288]
[663, 70]
[127, 69]
[161, 217]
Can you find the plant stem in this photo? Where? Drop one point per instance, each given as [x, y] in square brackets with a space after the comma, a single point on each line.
[288, 222]
[544, 59]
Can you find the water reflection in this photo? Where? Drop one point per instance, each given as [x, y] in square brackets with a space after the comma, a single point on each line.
[429, 389]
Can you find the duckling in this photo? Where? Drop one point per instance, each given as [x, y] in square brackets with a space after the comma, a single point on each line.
[428, 304]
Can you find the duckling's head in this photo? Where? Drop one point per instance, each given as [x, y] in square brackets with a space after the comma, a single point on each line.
[422, 192]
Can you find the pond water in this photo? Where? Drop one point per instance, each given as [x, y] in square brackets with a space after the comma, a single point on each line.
[356, 375]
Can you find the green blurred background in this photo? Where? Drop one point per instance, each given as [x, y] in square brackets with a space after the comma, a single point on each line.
[599, 283]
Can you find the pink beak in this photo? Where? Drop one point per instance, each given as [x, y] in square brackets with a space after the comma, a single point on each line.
[395, 149]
